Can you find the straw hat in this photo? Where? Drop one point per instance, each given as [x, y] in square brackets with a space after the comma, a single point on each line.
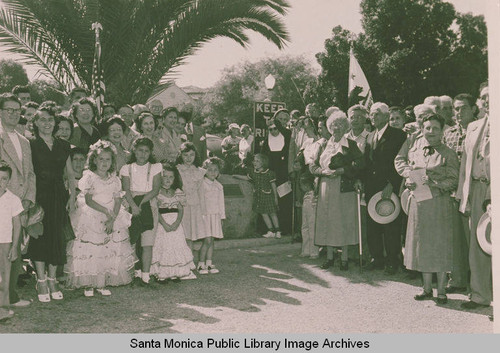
[384, 211]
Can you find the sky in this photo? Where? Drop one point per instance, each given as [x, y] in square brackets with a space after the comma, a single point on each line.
[309, 23]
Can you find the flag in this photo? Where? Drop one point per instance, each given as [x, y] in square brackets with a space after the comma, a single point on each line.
[98, 87]
[359, 89]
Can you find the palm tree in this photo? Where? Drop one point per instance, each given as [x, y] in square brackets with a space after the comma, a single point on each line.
[143, 41]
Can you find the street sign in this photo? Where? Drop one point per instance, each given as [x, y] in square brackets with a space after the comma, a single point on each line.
[262, 112]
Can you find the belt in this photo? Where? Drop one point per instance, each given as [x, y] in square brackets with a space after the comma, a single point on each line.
[481, 180]
[168, 210]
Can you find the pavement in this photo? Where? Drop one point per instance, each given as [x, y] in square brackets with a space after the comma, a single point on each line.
[263, 287]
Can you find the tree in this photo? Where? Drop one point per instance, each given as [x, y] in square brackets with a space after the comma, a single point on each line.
[232, 97]
[142, 41]
[11, 74]
[409, 50]
[42, 90]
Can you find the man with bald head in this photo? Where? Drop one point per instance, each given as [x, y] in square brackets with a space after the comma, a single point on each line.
[382, 146]
[446, 109]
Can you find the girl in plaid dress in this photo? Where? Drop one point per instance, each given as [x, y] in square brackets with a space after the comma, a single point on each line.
[265, 197]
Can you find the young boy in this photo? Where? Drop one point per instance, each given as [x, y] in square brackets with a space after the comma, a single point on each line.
[10, 232]
[306, 183]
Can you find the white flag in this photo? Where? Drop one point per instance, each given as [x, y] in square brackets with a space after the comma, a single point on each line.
[359, 89]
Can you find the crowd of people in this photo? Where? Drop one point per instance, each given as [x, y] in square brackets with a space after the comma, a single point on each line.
[101, 200]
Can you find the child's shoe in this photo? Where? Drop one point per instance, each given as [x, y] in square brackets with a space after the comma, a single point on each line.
[203, 270]
[104, 291]
[212, 269]
[278, 235]
[89, 292]
[269, 234]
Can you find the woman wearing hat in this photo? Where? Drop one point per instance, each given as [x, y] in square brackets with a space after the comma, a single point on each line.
[231, 148]
[428, 247]
[337, 168]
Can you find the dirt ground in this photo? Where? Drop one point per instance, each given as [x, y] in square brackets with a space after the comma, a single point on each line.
[264, 289]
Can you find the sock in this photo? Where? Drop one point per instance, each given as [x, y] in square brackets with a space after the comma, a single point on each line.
[138, 273]
[209, 263]
[201, 264]
[145, 277]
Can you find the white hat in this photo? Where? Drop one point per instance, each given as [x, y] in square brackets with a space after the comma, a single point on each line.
[384, 211]
[405, 200]
[380, 107]
[483, 233]
[234, 126]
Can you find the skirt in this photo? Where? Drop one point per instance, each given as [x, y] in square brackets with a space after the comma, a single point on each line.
[429, 235]
[171, 256]
[336, 215]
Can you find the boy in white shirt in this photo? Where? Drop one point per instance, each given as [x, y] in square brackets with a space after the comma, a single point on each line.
[10, 232]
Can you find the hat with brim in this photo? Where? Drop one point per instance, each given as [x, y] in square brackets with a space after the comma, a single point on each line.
[484, 233]
[405, 200]
[384, 211]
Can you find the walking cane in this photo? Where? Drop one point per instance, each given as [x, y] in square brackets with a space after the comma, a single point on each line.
[358, 193]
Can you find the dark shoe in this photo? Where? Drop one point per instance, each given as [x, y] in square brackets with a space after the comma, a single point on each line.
[442, 300]
[344, 266]
[424, 296]
[390, 270]
[452, 289]
[375, 265]
[327, 264]
[473, 305]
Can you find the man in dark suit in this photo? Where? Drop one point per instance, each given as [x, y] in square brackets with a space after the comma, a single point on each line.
[195, 134]
[382, 146]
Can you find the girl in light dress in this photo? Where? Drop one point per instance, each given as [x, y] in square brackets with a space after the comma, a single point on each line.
[141, 180]
[172, 258]
[192, 179]
[213, 212]
[101, 254]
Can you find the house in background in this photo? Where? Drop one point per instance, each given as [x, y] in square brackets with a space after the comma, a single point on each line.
[176, 96]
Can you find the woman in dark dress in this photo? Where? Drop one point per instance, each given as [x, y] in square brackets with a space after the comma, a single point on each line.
[276, 146]
[50, 160]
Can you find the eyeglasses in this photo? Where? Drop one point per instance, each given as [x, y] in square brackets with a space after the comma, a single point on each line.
[12, 110]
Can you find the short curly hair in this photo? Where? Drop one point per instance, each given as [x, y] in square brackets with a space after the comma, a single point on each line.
[92, 156]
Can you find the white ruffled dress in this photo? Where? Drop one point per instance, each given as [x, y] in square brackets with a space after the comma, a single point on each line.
[95, 255]
[172, 257]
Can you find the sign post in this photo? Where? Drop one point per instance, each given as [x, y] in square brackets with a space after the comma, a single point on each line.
[262, 112]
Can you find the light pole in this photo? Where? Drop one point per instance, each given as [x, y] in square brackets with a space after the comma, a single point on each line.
[269, 81]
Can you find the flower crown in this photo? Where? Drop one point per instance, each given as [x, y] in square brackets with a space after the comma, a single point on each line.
[101, 145]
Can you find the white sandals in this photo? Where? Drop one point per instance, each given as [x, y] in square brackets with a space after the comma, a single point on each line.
[55, 295]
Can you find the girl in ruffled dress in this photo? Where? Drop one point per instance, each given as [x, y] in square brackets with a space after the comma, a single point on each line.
[213, 212]
[101, 254]
[172, 258]
[192, 178]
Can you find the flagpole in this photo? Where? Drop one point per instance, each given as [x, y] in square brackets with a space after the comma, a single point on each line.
[97, 79]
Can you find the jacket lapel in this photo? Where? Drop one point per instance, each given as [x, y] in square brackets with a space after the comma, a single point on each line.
[10, 150]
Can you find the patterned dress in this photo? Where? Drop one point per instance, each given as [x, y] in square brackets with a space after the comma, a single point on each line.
[264, 201]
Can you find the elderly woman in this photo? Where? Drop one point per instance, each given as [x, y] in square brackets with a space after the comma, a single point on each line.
[230, 148]
[337, 168]
[146, 125]
[114, 129]
[428, 247]
[51, 159]
[85, 133]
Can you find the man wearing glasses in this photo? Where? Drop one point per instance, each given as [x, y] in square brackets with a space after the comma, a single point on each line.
[16, 152]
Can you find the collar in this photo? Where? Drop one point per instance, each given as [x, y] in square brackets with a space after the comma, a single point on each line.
[363, 134]
[343, 141]
[190, 124]
[262, 172]
[381, 132]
